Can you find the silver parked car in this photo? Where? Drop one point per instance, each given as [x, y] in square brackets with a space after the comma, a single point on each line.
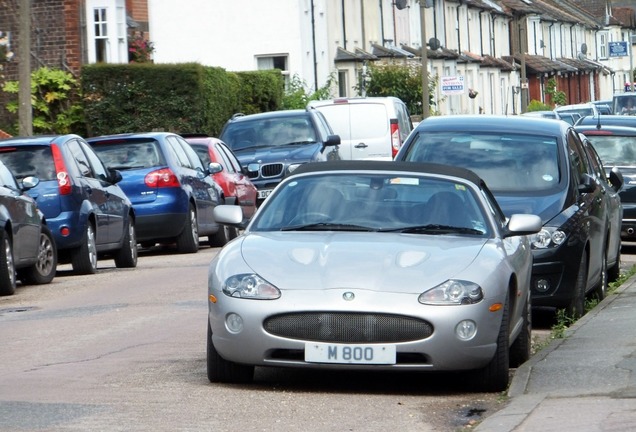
[373, 265]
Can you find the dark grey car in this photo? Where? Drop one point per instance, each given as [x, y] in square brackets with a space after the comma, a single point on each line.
[536, 166]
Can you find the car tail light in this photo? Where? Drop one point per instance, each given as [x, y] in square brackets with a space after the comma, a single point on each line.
[396, 143]
[63, 179]
[161, 178]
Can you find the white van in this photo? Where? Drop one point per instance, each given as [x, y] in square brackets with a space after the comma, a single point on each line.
[369, 128]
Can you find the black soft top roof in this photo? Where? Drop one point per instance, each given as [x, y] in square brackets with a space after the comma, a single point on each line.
[406, 167]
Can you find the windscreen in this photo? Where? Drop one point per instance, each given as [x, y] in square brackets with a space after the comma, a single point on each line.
[373, 202]
[274, 132]
[507, 162]
[615, 150]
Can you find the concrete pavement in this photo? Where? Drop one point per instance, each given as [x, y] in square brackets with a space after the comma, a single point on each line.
[583, 382]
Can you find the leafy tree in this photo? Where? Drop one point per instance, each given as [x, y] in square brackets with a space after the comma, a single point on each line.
[536, 105]
[54, 98]
[297, 94]
[402, 81]
[557, 97]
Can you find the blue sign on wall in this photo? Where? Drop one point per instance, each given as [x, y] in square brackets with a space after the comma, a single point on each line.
[617, 49]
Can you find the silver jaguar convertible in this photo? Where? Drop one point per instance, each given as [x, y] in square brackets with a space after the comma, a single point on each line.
[376, 266]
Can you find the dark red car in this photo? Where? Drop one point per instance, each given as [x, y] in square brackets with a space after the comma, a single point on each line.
[237, 186]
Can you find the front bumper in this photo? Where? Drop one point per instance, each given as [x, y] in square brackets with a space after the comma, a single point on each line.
[558, 270]
[439, 351]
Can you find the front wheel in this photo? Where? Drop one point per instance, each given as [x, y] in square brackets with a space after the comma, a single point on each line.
[223, 236]
[600, 290]
[126, 257]
[43, 271]
[576, 308]
[7, 266]
[221, 370]
[521, 348]
[494, 376]
[84, 257]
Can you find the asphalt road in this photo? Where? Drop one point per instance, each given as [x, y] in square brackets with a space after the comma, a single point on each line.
[124, 350]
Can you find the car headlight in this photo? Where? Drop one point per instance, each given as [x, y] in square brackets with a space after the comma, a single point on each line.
[548, 237]
[250, 286]
[291, 168]
[452, 292]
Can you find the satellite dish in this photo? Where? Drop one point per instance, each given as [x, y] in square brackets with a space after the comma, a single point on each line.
[434, 44]
[584, 48]
[581, 56]
[400, 4]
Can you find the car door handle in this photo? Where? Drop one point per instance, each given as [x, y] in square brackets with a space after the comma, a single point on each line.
[361, 145]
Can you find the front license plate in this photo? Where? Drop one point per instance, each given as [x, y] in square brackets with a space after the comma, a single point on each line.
[316, 352]
[264, 193]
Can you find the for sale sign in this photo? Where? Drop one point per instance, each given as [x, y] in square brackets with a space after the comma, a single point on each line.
[452, 85]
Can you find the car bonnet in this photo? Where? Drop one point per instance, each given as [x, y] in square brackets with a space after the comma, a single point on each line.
[373, 261]
[289, 153]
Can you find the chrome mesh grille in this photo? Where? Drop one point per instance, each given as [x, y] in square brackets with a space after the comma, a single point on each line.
[271, 170]
[347, 327]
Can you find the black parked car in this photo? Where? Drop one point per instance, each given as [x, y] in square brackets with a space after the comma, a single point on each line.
[273, 144]
[27, 247]
[616, 146]
[536, 166]
[88, 213]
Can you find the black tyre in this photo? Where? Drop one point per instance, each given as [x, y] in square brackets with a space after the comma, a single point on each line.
[188, 240]
[521, 348]
[600, 289]
[221, 370]
[7, 266]
[43, 271]
[576, 308]
[222, 236]
[614, 272]
[126, 257]
[84, 257]
[495, 376]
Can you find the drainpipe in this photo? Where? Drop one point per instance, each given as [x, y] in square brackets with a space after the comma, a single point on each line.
[492, 35]
[459, 39]
[551, 43]
[313, 42]
[481, 31]
[364, 36]
[381, 22]
[344, 25]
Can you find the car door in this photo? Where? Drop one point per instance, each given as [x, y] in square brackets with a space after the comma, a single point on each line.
[201, 186]
[25, 220]
[245, 189]
[591, 202]
[116, 205]
[92, 193]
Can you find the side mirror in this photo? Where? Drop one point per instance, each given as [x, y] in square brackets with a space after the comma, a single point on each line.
[332, 140]
[214, 167]
[114, 176]
[616, 179]
[523, 224]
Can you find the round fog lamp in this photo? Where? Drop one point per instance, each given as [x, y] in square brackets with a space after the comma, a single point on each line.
[466, 330]
[542, 285]
[234, 323]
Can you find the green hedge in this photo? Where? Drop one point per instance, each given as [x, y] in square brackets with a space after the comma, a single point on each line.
[180, 98]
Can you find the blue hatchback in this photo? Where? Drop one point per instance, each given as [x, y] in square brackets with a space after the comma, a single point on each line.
[84, 207]
[170, 189]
